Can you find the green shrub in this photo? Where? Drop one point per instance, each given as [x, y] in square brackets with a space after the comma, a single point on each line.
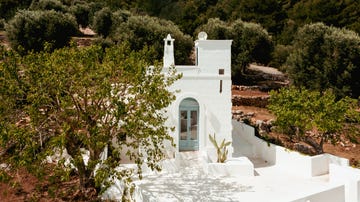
[81, 13]
[279, 55]
[326, 57]
[2, 23]
[30, 30]
[141, 31]
[102, 22]
[8, 8]
[48, 5]
[314, 117]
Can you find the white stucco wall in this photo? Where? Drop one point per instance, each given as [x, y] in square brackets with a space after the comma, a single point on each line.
[292, 162]
[202, 83]
[348, 175]
[215, 113]
[335, 194]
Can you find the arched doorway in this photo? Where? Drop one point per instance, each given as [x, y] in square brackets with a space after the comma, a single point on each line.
[189, 125]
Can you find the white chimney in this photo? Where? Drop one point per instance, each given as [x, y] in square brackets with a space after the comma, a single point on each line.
[168, 59]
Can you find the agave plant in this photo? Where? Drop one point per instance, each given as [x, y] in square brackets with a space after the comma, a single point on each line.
[221, 149]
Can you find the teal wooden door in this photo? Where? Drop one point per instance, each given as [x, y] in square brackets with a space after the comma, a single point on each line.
[189, 125]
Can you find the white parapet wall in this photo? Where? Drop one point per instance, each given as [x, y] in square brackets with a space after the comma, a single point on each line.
[350, 177]
[335, 194]
[247, 144]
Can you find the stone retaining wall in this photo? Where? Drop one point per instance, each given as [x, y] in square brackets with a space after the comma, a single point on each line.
[256, 101]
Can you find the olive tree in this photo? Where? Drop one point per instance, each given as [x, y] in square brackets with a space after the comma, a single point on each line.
[103, 22]
[141, 31]
[31, 30]
[313, 117]
[55, 5]
[81, 13]
[84, 101]
[326, 57]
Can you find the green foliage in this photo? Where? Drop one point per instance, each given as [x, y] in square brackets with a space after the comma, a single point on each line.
[106, 21]
[221, 150]
[251, 43]
[80, 101]
[31, 30]
[142, 31]
[2, 23]
[8, 8]
[331, 12]
[268, 13]
[326, 57]
[279, 55]
[43, 5]
[102, 22]
[81, 13]
[313, 117]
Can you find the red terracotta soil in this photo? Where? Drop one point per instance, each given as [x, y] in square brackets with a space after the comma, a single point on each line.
[26, 187]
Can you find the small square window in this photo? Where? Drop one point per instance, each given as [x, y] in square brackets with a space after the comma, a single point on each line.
[221, 71]
[168, 43]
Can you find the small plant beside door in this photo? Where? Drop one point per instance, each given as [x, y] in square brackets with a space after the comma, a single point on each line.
[221, 149]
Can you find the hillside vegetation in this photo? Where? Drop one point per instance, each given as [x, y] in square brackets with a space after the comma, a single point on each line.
[264, 31]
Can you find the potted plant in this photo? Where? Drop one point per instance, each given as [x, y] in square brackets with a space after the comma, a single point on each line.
[218, 168]
[240, 166]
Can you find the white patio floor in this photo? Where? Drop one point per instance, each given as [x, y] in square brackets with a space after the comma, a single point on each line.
[189, 182]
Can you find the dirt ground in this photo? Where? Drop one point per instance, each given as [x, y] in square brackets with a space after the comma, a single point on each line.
[344, 148]
[26, 187]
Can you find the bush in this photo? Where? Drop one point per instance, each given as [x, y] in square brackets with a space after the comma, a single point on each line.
[102, 22]
[2, 23]
[326, 57]
[93, 8]
[141, 31]
[279, 55]
[105, 22]
[8, 8]
[81, 13]
[30, 30]
[48, 5]
[314, 117]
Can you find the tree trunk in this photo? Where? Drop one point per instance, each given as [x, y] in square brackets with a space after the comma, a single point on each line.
[317, 146]
[87, 182]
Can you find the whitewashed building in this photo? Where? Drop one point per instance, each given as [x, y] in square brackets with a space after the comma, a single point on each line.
[203, 105]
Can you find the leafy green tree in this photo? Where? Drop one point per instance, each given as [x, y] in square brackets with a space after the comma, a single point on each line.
[279, 55]
[251, 43]
[8, 8]
[84, 101]
[268, 13]
[103, 22]
[30, 30]
[81, 13]
[43, 5]
[326, 57]
[313, 117]
[2, 23]
[330, 12]
[142, 31]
